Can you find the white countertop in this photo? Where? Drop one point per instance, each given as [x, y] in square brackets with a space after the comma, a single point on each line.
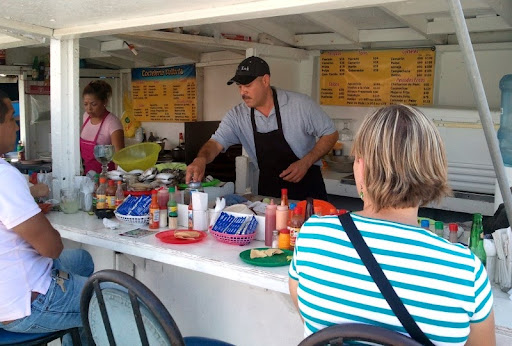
[208, 256]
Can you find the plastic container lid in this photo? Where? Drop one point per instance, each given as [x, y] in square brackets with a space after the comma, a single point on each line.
[425, 224]
[453, 227]
[284, 231]
[439, 225]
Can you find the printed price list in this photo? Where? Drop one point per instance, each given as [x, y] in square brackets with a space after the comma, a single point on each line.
[164, 98]
[375, 78]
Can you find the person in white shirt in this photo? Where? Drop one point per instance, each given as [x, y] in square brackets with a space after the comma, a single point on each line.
[40, 283]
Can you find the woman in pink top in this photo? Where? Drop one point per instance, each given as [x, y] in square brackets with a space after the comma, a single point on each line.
[99, 126]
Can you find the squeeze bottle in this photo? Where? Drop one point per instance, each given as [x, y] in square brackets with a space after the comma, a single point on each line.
[270, 222]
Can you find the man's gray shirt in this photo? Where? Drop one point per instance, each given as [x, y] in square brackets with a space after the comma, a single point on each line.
[302, 119]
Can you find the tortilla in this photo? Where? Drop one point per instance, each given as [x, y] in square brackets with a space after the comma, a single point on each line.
[187, 234]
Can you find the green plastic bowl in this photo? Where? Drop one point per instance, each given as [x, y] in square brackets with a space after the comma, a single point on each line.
[137, 156]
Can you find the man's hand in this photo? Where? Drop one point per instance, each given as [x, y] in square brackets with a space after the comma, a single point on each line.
[39, 190]
[296, 171]
[195, 171]
[209, 151]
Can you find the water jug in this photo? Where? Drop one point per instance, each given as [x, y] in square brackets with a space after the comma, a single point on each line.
[505, 130]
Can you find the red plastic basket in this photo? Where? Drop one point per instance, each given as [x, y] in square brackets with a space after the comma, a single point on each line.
[235, 239]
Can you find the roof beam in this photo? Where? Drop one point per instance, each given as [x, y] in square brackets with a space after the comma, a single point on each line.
[164, 47]
[479, 24]
[336, 25]
[503, 8]
[422, 7]
[415, 22]
[241, 10]
[222, 43]
[269, 27]
[388, 35]
[22, 27]
[312, 40]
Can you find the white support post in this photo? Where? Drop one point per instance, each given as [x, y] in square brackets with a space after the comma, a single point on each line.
[65, 124]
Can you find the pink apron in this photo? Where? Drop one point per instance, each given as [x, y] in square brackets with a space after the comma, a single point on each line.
[87, 151]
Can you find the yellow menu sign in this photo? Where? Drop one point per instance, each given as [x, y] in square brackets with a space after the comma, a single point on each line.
[166, 94]
[375, 78]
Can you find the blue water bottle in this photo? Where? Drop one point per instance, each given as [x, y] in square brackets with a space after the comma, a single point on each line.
[505, 130]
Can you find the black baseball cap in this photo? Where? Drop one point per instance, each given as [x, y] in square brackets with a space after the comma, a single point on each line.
[249, 69]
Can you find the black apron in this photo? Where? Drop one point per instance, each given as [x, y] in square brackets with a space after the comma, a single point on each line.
[274, 156]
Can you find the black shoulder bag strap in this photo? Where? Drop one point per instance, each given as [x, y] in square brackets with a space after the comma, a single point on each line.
[382, 282]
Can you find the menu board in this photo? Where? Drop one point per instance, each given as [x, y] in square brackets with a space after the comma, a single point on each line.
[166, 94]
[375, 78]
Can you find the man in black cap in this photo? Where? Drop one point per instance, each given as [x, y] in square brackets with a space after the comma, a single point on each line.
[284, 133]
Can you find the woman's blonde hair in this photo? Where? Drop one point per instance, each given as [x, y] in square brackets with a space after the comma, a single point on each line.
[404, 158]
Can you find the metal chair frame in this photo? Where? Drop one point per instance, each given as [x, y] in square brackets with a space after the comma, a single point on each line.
[137, 292]
[337, 334]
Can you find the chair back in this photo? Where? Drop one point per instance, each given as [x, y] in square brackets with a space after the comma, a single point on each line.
[118, 309]
[336, 335]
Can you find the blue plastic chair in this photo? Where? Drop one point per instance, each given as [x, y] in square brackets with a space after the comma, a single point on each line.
[116, 309]
[29, 339]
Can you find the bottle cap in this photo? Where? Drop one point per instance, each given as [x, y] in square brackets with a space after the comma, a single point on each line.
[425, 223]
[103, 179]
[172, 189]
[284, 231]
[275, 232]
[439, 225]
[111, 183]
[271, 205]
[284, 191]
[292, 206]
[453, 227]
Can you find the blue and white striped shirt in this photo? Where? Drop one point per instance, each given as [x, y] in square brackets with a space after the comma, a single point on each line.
[443, 285]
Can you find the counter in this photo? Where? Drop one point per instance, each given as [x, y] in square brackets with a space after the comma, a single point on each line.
[255, 296]
[208, 256]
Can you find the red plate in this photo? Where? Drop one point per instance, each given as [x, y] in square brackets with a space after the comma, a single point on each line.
[168, 237]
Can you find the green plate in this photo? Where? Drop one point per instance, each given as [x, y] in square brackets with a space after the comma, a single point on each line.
[274, 261]
[214, 182]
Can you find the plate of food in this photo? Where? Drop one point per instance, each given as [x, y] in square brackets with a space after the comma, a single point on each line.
[267, 257]
[181, 236]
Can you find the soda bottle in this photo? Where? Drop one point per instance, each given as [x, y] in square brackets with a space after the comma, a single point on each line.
[101, 194]
[453, 237]
[111, 195]
[172, 209]
[439, 228]
[119, 194]
[476, 241]
[154, 212]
